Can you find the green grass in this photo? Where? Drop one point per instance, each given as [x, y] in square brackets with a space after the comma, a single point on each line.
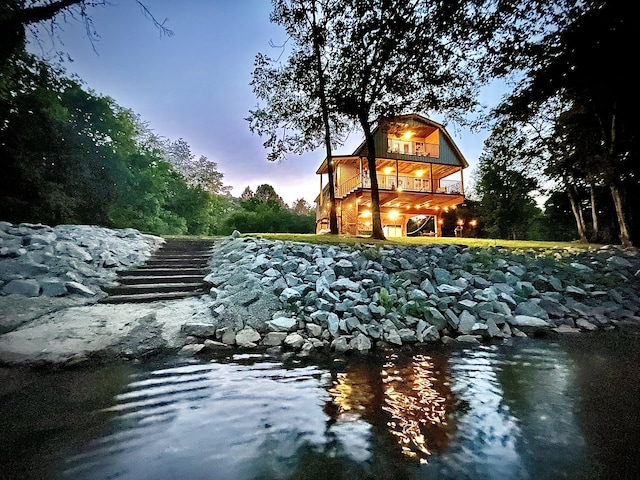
[354, 240]
[471, 242]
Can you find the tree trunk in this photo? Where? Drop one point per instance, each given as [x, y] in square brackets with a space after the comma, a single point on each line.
[376, 233]
[594, 214]
[625, 234]
[333, 217]
[577, 211]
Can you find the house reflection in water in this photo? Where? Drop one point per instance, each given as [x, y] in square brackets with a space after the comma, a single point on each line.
[408, 397]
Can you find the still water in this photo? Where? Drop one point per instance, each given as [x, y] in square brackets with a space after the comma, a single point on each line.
[536, 409]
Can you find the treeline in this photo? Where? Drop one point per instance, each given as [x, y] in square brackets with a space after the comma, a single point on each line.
[70, 155]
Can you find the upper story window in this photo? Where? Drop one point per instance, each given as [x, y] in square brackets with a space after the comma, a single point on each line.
[401, 146]
[407, 147]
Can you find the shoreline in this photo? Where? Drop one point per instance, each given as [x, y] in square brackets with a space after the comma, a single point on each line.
[308, 299]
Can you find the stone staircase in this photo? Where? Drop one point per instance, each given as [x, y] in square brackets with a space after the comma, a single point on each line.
[175, 271]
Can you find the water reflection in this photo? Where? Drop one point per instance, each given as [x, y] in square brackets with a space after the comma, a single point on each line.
[417, 396]
[409, 396]
[538, 410]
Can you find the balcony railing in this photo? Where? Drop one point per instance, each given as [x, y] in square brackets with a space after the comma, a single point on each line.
[403, 183]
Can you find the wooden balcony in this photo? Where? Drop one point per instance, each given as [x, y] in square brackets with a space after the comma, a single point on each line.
[399, 183]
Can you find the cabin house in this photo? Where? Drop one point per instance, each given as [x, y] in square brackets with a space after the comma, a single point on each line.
[419, 170]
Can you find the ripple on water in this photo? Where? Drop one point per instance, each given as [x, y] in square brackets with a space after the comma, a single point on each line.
[219, 417]
[487, 413]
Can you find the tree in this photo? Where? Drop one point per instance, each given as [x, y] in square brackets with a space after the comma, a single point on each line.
[411, 57]
[266, 212]
[560, 61]
[247, 194]
[297, 116]
[266, 194]
[302, 207]
[505, 191]
[201, 173]
[17, 16]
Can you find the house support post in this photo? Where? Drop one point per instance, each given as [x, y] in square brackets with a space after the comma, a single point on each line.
[431, 176]
[397, 179]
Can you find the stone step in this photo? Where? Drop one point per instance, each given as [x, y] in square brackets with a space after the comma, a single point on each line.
[184, 256]
[161, 271]
[158, 279]
[149, 297]
[153, 287]
[175, 271]
[160, 263]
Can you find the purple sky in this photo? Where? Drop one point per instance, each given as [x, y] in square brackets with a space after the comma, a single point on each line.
[195, 84]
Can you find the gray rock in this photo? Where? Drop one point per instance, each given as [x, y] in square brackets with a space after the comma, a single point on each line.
[53, 288]
[431, 334]
[393, 337]
[471, 339]
[441, 276]
[527, 321]
[247, 336]
[203, 330]
[531, 309]
[333, 323]
[343, 268]
[282, 324]
[314, 330]
[345, 284]
[273, 339]
[294, 341]
[360, 343]
[191, 349]
[467, 321]
[585, 325]
[27, 287]
[341, 344]
[212, 345]
[289, 295]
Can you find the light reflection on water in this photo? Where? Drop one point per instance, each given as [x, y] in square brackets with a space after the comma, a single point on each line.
[519, 412]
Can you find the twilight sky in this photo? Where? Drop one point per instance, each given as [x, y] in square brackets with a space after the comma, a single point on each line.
[195, 84]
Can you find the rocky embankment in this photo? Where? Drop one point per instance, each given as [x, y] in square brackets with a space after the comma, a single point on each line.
[357, 298]
[298, 297]
[43, 268]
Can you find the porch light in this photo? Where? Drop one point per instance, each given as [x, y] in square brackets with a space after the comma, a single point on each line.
[387, 170]
[460, 222]
[393, 214]
[365, 213]
[407, 135]
[441, 221]
[419, 173]
[473, 222]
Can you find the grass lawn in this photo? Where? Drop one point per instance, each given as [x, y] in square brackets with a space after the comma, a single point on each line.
[471, 242]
